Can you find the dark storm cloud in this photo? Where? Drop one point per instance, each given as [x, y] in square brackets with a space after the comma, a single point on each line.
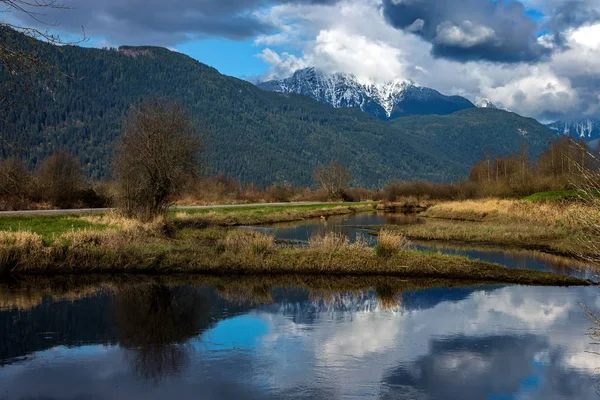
[572, 14]
[163, 22]
[467, 30]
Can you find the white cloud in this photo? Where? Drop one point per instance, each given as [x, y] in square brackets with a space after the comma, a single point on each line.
[541, 90]
[281, 64]
[586, 36]
[353, 37]
[466, 35]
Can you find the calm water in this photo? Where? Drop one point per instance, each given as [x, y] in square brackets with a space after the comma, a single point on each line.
[349, 226]
[301, 337]
[249, 340]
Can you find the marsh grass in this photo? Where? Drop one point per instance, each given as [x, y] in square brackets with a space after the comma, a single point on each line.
[159, 246]
[333, 242]
[501, 211]
[198, 254]
[390, 243]
[556, 227]
[248, 241]
[266, 214]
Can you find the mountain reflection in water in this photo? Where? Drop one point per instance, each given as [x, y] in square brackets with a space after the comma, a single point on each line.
[296, 337]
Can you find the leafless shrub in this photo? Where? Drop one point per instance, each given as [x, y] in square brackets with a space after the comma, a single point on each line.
[15, 184]
[159, 154]
[334, 178]
[60, 179]
[589, 215]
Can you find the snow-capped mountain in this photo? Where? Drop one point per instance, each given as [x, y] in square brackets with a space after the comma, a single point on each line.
[587, 129]
[485, 103]
[387, 100]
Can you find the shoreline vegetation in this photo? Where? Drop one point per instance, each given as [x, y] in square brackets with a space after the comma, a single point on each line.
[559, 228]
[203, 243]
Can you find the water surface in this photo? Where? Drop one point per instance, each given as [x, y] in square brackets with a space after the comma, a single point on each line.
[253, 340]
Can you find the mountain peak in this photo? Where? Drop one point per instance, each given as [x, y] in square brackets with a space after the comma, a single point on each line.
[484, 103]
[384, 100]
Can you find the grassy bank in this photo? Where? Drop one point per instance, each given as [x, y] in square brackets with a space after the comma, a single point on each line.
[555, 227]
[256, 215]
[161, 249]
[199, 242]
[52, 227]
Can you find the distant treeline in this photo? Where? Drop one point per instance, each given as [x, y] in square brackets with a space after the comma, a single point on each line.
[59, 182]
[566, 164]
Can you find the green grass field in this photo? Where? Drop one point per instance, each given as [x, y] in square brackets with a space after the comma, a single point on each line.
[47, 227]
[559, 195]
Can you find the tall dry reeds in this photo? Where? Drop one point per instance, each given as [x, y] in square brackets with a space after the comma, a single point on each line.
[390, 243]
[248, 241]
[333, 242]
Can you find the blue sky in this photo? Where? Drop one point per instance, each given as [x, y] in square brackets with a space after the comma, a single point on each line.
[230, 57]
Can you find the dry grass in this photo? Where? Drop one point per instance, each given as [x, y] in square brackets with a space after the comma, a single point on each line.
[563, 228]
[199, 254]
[266, 215]
[512, 211]
[333, 242]
[389, 243]
[134, 227]
[248, 241]
[22, 239]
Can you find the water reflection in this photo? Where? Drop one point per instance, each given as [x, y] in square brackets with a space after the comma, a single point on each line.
[154, 324]
[297, 337]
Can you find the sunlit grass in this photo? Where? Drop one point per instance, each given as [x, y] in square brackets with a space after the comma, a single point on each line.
[47, 227]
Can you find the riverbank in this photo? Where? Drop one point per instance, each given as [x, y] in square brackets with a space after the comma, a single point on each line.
[161, 248]
[557, 228]
[200, 242]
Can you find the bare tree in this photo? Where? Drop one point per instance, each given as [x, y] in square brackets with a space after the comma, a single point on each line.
[159, 153]
[60, 179]
[334, 178]
[15, 183]
[589, 216]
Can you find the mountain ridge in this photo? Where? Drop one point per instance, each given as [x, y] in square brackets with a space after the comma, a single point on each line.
[251, 134]
[387, 100]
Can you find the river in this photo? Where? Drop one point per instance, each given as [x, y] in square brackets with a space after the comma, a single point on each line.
[300, 338]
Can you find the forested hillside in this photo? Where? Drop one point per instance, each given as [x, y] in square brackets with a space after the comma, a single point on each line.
[251, 134]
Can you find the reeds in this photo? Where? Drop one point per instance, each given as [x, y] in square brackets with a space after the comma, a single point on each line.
[248, 241]
[390, 243]
[333, 242]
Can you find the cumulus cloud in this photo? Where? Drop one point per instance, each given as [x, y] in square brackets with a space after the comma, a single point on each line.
[542, 90]
[475, 50]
